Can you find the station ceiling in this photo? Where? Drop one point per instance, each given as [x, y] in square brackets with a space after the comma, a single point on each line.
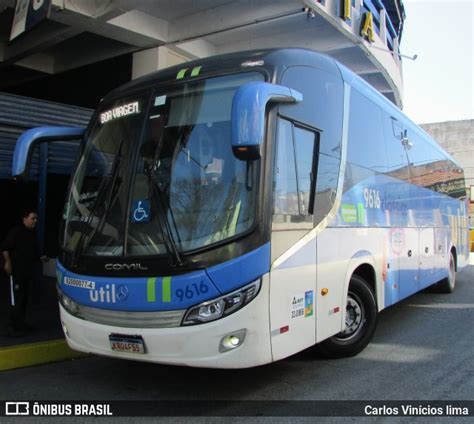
[80, 33]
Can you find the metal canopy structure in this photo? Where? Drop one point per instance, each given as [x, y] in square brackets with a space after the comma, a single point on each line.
[81, 32]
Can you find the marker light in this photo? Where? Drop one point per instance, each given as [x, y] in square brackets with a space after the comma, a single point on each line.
[65, 330]
[222, 306]
[232, 341]
[251, 63]
[72, 307]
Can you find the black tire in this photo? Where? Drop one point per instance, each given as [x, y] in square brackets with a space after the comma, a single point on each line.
[361, 321]
[448, 284]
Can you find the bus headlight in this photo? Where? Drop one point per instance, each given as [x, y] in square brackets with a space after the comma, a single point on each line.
[222, 306]
[72, 307]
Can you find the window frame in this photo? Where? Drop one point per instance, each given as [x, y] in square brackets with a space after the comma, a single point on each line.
[296, 166]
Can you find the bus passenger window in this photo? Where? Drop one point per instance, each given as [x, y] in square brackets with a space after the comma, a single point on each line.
[305, 168]
[295, 170]
[326, 186]
[397, 160]
[285, 201]
[365, 149]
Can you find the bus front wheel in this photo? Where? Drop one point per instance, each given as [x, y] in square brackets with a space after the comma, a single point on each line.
[361, 320]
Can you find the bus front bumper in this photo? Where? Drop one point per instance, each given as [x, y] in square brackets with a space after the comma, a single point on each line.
[196, 345]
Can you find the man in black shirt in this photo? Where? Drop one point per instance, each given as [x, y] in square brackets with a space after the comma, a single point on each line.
[20, 253]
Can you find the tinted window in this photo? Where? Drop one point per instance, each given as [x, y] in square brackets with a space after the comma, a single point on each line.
[455, 185]
[285, 200]
[397, 162]
[366, 146]
[326, 186]
[304, 149]
[322, 105]
[294, 171]
[422, 152]
[428, 166]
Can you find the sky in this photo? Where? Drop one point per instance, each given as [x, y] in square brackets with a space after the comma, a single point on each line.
[439, 84]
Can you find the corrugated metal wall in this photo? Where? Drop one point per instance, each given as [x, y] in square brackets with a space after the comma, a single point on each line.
[17, 114]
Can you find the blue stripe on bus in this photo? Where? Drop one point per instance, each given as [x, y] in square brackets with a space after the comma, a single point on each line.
[237, 272]
[163, 293]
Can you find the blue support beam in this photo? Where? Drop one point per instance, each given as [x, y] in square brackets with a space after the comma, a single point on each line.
[42, 190]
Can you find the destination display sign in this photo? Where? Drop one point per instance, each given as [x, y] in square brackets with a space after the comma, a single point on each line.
[118, 112]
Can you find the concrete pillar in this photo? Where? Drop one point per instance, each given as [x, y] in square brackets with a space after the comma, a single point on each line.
[148, 61]
[383, 27]
[396, 51]
[155, 59]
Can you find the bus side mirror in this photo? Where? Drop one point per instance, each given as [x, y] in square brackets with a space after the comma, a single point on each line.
[406, 141]
[248, 115]
[28, 140]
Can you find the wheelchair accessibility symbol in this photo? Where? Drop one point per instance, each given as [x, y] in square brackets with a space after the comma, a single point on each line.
[140, 211]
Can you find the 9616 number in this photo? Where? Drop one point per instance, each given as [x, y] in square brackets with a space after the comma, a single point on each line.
[372, 198]
[191, 290]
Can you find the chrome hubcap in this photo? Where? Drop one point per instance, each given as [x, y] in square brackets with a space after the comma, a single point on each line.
[354, 317]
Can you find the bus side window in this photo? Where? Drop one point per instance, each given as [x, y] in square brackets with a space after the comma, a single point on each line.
[432, 169]
[306, 167]
[398, 130]
[285, 187]
[322, 105]
[365, 151]
[326, 186]
[295, 173]
[397, 160]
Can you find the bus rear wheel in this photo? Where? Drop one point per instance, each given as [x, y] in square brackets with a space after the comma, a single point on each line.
[361, 321]
[449, 283]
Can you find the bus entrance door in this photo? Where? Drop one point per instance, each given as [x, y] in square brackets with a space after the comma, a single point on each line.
[292, 300]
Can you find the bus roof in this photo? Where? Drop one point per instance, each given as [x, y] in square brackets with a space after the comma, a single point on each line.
[269, 60]
[273, 62]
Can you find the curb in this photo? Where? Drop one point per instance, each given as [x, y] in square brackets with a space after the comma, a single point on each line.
[26, 355]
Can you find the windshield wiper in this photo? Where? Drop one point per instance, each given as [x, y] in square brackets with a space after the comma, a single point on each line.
[168, 239]
[191, 158]
[104, 197]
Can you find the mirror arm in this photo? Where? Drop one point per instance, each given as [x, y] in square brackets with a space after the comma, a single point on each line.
[28, 140]
[248, 115]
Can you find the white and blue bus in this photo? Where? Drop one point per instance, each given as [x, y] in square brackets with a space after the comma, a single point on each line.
[239, 209]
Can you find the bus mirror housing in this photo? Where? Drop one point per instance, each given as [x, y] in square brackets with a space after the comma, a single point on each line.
[29, 139]
[248, 115]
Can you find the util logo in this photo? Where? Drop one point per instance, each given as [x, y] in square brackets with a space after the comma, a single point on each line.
[109, 294]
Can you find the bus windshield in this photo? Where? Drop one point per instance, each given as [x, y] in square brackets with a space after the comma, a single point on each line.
[157, 175]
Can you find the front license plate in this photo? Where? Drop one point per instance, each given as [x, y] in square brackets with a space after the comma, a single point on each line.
[125, 343]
